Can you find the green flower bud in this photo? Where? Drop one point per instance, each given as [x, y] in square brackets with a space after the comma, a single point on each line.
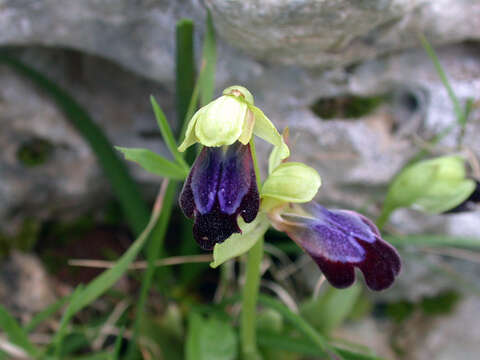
[232, 117]
[432, 186]
[291, 182]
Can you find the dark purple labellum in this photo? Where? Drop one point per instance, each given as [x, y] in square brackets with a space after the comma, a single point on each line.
[220, 186]
[340, 240]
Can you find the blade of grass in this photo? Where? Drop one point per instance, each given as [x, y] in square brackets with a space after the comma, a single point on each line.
[16, 334]
[304, 347]
[45, 314]
[154, 252]
[434, 240]
[108, 278]
[206, 77]
[167, 134]
[302, 326]
[67, 315]
[209, 63]
[154, 163]
[124, 187]
[185, 67]
[459, 112]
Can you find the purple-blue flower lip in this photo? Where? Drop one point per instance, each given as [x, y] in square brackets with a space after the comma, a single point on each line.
[221, 185]
[340, 240]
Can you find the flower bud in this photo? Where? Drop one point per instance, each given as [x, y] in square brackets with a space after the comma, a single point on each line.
[432, 186]
[232, 117]
[292, 182]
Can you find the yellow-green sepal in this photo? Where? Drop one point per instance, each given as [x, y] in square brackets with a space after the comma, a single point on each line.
[239, 244]
[190, 137]
[432, 186]
[292, 182]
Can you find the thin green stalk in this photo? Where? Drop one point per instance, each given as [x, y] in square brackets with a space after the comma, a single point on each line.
[250, 290]
[249, 302]
[154, 252]
[443, 77]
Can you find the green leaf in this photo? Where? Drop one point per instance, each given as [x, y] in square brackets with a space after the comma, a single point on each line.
[461, 118]
[331, 308]
[298, 322]
[209, 62]
[123, 185]
[211, 339]
[154, 163]
[185, 67]
[103, 282]
[45, 314]
[434, 240]
[238, 244]
[154, 251]
[167, 134]
[16, 334]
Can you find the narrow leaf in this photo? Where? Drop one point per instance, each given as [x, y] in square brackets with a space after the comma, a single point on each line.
[210, 339]
[154, 163]
[167, 134]
[209, 61]
[15, 333]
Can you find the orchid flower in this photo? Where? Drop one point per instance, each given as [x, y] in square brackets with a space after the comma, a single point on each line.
[222, 186]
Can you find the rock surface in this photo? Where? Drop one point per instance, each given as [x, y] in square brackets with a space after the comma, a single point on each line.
[25, 287]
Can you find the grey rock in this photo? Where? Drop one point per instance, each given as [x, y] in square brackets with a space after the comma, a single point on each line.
[25, 287]
[339, 32]
[447, 337]
[68, 181]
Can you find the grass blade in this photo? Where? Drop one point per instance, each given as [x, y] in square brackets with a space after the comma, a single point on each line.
[154, 163]
[185, 67]
[209, 62]
[154, 250]
[16, 334]
[45, 314]
[302, 326]
[123, 186]
[460, 113]
[167, 134]
[109, 277]
[434, 240]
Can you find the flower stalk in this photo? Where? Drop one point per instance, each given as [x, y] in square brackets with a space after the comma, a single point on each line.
[248, 323]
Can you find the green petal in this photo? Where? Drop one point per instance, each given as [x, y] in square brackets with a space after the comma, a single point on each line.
[222, 122]
[190, 137]
[445, 196]
[292, 182]
[266, 130]
[238, 244]
[236, 90]
[278, 154]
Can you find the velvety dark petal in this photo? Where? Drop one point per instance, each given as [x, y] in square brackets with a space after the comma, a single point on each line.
[381, 264]
[251, 201]
[205, 177]
[339, 240]
[340, 275]
[186, 200]
[214, 227]
[220, 186]
[236, 179]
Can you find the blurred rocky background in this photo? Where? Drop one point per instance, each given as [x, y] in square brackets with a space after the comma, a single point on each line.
[349, 77]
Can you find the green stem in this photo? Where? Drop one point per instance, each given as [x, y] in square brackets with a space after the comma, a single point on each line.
[252, 284]
[383, 218]
[249, 302]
